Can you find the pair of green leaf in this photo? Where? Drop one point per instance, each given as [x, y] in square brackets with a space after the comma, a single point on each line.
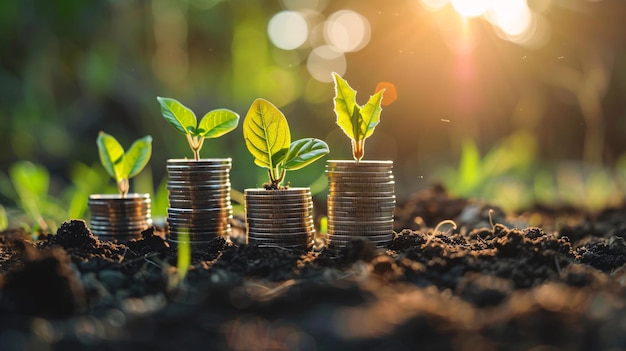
[358, 122]
[212, 125]
[267, 136]
[123, 165]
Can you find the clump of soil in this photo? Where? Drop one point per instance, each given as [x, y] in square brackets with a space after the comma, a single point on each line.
[479, 287]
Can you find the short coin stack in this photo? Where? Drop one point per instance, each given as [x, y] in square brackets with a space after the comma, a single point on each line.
[280, 217]
[361, 202]
[199, 198]
[118, 218]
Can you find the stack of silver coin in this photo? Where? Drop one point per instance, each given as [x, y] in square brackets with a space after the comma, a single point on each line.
[199, 198]
[361, 202]
[281, 218]
[118, 218]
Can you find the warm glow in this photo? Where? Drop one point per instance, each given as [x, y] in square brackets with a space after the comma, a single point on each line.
[513, 20]
[471, 8]
[512, 16]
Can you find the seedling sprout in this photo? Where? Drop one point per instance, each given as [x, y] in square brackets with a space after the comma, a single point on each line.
[123, 165]
[358, 122]
[268, 139]
[213, 124]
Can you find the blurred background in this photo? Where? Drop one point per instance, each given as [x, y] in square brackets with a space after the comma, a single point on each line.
[516, 102]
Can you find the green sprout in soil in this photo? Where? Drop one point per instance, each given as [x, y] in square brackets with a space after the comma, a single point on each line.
[213, 124]
[268, 139]
[123, 165]
[358, 122]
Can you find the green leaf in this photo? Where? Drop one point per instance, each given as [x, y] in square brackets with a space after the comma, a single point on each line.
[279, 156]
[266, 132]
[345, 105]
[111, 156]
[217, 123]
[179, 116]
[370, 114]
[138, 156]
[304, 152]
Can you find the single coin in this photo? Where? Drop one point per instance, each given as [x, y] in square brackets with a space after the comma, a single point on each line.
[204, 186]
[277, 215]
[294, 211]
[382, 186]
[198, 163]
[376, 238]
[114, 197]
[290, 236]
[206, 172]
[174, 210]
[271, 230]
[104, 222]
[272, 192]
[362, 163]
[360, 229]
[359, 177]
[277, 205]
[274, 221]
[200, 221]
[361, 232]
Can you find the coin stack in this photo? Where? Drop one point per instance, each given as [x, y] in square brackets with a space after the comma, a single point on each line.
[281, 218]
[361, 202]
[199, 198]
[118, 218]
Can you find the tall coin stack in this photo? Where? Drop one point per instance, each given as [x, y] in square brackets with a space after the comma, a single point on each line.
[361, 202]
[199, 198]
[118, 218]
[279, 217]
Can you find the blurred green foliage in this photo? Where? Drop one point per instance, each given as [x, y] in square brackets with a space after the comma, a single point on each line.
[511, 176]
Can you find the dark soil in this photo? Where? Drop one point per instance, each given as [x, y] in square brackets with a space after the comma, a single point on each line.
[480, 287]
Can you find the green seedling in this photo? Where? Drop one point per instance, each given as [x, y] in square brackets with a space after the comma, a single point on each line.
[183, 255]
[123, 165]
[212, 125]
[358, 122]
[268, 139]
[4, 219]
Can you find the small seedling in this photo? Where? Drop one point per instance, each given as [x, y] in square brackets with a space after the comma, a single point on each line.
[358, 122]
[212, 125]
[268, 139]
[120, 165]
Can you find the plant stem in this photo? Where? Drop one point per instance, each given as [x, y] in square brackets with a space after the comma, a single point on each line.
[195, 142]
[358, 149]
[123, 185]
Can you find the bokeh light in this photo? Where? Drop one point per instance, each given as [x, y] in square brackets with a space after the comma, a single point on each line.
[512, 16]
[390, 95]
[471, 8]
[317, 5]
[323, 61]
[288, 30]
[434, 5]
[512, 20]
[347, 31]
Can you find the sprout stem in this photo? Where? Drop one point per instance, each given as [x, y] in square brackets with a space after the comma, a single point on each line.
[442, 223]
[123, 185]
